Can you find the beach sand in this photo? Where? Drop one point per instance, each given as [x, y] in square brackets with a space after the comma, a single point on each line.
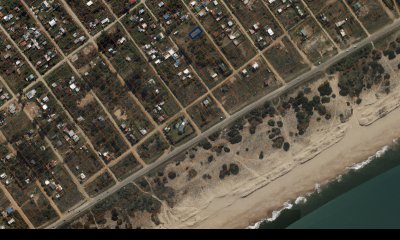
[358, 144]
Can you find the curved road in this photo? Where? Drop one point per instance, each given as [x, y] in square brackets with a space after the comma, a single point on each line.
[294, 83]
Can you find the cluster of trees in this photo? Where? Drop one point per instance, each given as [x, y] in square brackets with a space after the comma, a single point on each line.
[349, 61]
[274, 133]
[205, 144]
[225, 171]
[363, 75]
[256, 116]
[128, 198]
[278, 142]
[392, 50]
[361, 70]
[304, 108]
[233, 134]
[214, 136]
[304, 111]
[325, 89]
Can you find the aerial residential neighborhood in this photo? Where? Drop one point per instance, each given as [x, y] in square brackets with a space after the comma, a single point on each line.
[141, 113]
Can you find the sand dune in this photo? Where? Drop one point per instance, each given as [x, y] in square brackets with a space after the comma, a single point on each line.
[359, 142]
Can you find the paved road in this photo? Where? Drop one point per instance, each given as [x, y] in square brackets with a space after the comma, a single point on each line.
[296, 82]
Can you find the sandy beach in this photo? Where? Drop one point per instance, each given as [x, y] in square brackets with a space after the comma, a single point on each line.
[359, 143]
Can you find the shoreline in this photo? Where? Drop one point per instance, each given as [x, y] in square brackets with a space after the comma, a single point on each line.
[328, 165]
[318, 187]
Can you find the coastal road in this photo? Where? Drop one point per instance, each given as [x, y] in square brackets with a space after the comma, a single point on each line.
[287, 87]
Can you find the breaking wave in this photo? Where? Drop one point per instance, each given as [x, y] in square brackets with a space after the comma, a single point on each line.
[378, 154]
[275, 215]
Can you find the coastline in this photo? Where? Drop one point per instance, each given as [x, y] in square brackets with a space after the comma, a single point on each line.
[358, 144]
[319, 188]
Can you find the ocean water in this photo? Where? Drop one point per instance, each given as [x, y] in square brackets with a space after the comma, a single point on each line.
[366, 196]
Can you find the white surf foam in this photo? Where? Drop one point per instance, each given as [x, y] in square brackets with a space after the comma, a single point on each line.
[378, 154]
[275, 215]
[300, 200]
[318, 187]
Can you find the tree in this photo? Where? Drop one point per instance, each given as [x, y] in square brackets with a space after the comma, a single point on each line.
[271, 122]
[214, 136]
[321, 109]
[206, 144]
[316, 100]
[269, 109]
[171, 175]
[271, 136]
[114, 214]
[233, 168]
[236, 139]
[365, 69]
[286, 105]
[286, 146]
[252, 130]
[261, 156]
[278, 142]
[325, 99]
[391, 55]
[192, 173]
[328, 116]
[276, 131]
[232, 133]
[325, 89]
